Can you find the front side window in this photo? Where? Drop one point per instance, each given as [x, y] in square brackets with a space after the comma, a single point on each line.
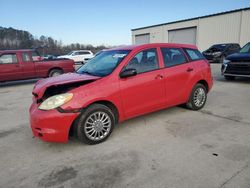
[104, 63]
[194, 54]
[8, 59]
[172, 57]
[144, 61]
[26, 57]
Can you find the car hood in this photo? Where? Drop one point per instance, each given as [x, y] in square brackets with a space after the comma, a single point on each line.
[239, 57]
[64, 79]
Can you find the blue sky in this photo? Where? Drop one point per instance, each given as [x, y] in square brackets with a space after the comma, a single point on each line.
[105, 21]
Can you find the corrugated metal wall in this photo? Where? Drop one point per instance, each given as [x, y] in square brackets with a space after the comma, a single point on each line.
[229, 27]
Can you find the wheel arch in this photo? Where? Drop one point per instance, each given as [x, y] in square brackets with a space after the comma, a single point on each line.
[54, 68]
[203, 82]
[109, 104]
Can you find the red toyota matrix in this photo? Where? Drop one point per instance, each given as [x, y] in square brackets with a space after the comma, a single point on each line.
[116, 85]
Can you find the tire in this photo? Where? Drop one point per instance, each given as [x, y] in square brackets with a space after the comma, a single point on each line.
[229, 77]
[55, 72]
[198, 97]
[91, 132]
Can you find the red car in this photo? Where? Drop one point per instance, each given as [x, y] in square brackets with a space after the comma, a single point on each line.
[27, 64]
[116, 85]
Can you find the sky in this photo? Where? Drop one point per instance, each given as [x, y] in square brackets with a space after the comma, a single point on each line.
[98, 22]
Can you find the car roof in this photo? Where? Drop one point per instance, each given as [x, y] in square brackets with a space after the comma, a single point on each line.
[154, 45]
[225, 44]
[14, 51]
[81, 51]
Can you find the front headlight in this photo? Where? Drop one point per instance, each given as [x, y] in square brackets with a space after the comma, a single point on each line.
[226, 61]
[55, 101]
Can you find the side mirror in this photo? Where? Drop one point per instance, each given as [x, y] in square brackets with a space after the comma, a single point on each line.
[128, 73]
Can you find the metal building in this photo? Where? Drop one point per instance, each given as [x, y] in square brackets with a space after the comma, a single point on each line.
[226, 27]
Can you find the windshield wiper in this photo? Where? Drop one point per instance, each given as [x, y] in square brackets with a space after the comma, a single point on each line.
[86, 72]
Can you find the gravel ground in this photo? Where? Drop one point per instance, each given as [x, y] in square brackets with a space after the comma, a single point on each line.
[170, 148]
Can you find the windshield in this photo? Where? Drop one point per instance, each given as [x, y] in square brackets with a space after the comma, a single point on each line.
[218, 47]
[104, 63]
[70, 53]
[245, 49]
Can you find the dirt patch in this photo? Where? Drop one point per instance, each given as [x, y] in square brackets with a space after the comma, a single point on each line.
[58, 176]
[103, 171]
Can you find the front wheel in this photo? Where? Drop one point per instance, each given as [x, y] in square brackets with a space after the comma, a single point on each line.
[96, 124]
[198, 97]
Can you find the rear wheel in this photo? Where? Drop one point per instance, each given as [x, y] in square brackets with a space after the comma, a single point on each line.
[96, 124]
[55, 72]
[229, 77]
[198, 97]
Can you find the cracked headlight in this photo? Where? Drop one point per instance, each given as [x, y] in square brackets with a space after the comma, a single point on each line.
[55, 101]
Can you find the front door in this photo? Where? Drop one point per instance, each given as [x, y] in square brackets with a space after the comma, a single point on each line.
[28, 66]
[9, 67]
[145, 91]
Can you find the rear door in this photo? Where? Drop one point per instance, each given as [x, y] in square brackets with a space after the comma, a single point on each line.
[9, 67]
[177, 75]
[144, 92]
[28, 66]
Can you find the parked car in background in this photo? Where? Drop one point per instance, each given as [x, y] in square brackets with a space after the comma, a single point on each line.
[237, 65]
[116, 85]
[26, 64]
[218, 52]
[79, 56]
[49, 57]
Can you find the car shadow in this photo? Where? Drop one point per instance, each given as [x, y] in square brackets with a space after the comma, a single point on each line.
[237, 80]
[18, 82]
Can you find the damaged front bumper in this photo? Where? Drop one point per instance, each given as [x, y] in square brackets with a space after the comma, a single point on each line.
[51, 125]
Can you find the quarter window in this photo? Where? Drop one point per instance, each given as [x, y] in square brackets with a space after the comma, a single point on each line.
[26, 57]
[172, 57]
[194, 54]
[8, 59]
[144, 61]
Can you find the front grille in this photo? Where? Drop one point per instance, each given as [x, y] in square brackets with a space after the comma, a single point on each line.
[238, 68]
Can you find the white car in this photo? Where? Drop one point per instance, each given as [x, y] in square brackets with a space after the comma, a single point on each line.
[79, 56]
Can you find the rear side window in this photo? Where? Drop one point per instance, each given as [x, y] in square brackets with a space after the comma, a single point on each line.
[172, 56]
[26, 57]
[194, 54]
[8, 59]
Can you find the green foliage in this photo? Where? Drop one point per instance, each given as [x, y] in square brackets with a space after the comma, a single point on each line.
[11, 38]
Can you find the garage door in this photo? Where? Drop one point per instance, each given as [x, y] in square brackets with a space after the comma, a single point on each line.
[142, 39]
[185, 36]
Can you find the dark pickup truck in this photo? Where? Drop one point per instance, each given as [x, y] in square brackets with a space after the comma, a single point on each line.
[27, 64]
[237, 65]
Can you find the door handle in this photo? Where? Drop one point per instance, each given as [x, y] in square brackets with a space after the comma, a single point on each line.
[190, 69]
[159, 76]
